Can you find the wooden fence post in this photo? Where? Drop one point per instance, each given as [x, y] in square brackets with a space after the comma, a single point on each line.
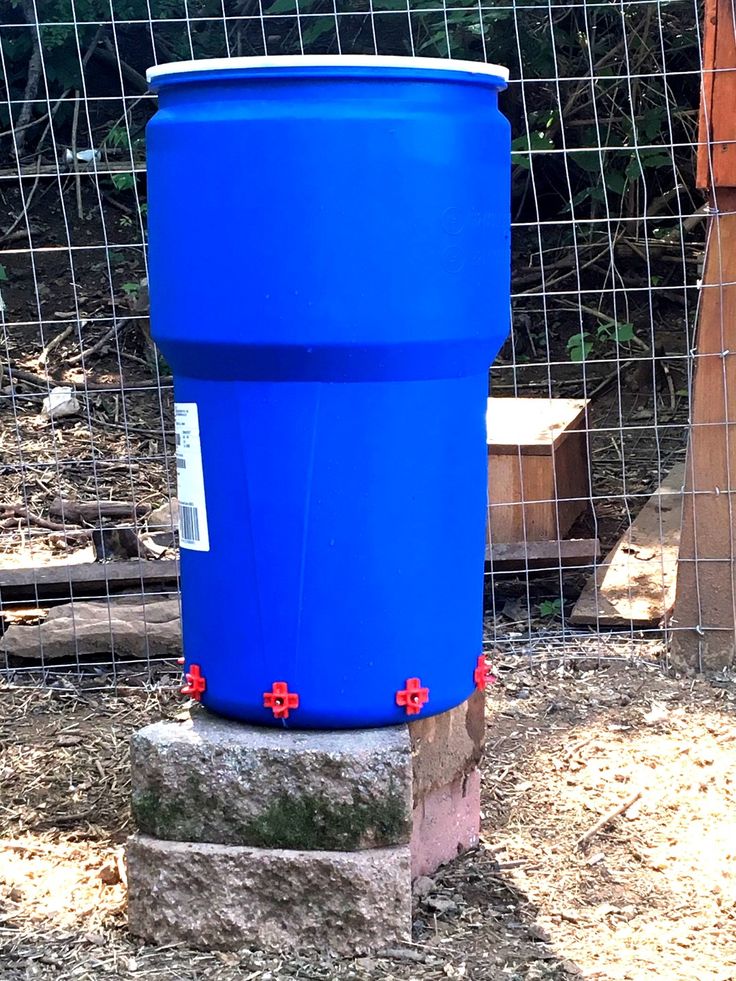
[704, 618]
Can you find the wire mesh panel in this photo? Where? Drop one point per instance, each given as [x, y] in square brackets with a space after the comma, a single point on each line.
[607, 240]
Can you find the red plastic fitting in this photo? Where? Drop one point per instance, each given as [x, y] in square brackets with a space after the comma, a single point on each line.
[280, 700]
[483, 676]
[195, 683]
[413, 697]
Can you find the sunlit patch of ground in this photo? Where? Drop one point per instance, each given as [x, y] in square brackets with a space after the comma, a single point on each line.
[653, 894]
[60, 883]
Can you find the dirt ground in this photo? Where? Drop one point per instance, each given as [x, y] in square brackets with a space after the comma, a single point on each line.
[650, 895]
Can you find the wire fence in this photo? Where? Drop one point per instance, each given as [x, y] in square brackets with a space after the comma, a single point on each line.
[608, 235]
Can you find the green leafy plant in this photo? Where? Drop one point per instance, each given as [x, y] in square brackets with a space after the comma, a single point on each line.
[582, 344]
[535, 141]
[620, 333]
[550, 608]
[123, 181]
[117, 136]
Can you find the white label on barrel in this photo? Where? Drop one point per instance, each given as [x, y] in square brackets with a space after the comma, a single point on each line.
[190, 479]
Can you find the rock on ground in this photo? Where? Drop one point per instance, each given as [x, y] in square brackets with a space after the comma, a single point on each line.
[142, 627]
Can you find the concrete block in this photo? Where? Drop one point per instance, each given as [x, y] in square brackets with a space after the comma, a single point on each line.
[446, 824]
[212, 780]
[224, 897]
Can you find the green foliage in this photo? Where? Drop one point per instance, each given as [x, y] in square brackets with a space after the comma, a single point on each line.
[117, 136]
[123, 181]
[582, 344]
[535, 141]
[620, 333]
[550, 608]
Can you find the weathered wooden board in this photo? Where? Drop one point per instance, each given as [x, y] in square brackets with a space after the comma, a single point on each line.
[537, 425]
[516, 557]
[538, 479]
[87, 577]
[704, 631]
[636, 583]
[717, 132]
[704, 617]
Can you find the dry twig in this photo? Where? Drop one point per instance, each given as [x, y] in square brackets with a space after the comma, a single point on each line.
[55, 341]
[117, 326]
[609, 816]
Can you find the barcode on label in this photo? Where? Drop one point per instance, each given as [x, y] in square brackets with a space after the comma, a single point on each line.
[193, 530]
[188, 523]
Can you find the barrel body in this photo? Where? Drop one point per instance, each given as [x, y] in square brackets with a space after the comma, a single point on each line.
[329, 278]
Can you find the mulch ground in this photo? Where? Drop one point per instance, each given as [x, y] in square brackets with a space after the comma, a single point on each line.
[650, 895]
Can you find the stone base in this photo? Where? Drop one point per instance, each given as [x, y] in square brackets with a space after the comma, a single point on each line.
[222, 897]
[289, 839]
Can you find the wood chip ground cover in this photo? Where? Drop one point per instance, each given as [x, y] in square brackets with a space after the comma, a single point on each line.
[650, 895]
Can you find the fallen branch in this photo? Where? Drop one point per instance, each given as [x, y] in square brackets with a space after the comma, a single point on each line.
[10, 513]
[30, 378]
[79, 513]
[55, 341]
[117, 326]
[609, 816]
[46, 382]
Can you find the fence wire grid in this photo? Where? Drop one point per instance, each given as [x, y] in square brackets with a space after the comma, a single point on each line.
[608, 238]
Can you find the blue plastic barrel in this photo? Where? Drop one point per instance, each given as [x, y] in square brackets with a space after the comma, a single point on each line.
[329, 278]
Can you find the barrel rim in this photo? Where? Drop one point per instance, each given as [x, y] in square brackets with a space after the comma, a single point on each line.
[346, 62]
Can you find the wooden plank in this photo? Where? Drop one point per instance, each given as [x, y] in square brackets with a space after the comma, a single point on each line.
[636, 583]
[103, 168]
[704, 161]
[703, 619]
[716, 165]
[86, 577]
[532, 426]
[511, 557]
[537, 492]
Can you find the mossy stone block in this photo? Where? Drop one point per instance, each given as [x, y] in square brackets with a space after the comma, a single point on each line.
[208, 779]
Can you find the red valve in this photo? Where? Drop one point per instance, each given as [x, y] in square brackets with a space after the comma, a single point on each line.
[280, 700]
[483, 676]
[413, 696]
[195, 683]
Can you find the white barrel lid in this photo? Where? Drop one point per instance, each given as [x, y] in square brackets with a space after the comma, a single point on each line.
[326, 61]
